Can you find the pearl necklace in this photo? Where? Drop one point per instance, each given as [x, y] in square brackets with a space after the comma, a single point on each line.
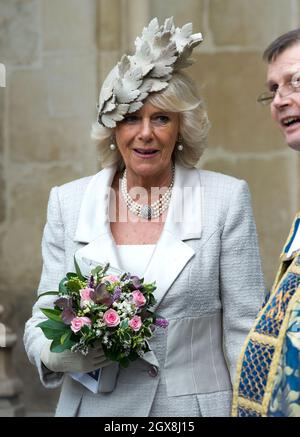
[147, 211]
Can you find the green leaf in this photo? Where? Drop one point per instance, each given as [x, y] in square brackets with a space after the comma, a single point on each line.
[147, 349]
[97, 308]
[65, 337]
[69, 343]
[96, 270]
[124, 324]
[123, 276]
[133, 356]
[57, 346]
[50, 334]
[52, 314]
[124, 362]
[111, 354]
[47, 293]
[127, 336]
[53, 325]
[71, 275]
[152, 300]
[86, 330]
[148, 333]
[62, 287]
[78, 271]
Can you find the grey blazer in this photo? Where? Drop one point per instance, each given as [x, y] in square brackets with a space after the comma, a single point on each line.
[209, 286]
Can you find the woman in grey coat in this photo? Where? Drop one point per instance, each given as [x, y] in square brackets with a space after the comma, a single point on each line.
[191, 231]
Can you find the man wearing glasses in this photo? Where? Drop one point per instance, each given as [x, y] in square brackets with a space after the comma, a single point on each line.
[268, 371]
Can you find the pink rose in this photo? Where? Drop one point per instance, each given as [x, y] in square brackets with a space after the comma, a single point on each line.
[78, 322]
[86, 296]
[135, 323]
[111, 318]
[139, 298]
[86, 293]
[110, 278]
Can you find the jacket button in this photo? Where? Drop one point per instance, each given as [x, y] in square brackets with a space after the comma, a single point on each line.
[153, 371]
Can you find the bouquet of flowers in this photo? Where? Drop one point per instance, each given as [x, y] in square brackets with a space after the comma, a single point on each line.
[112, 309]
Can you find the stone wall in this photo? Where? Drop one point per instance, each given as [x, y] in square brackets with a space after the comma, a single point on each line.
[56, 54]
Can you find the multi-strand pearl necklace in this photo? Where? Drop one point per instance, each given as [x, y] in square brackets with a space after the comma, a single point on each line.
[147, 211]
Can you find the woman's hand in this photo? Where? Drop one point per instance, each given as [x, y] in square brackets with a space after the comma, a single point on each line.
[68, 361]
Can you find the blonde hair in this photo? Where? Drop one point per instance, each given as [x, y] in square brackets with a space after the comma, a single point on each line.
[180, 96]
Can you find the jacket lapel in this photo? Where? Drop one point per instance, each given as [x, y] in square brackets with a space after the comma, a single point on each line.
[183, 223]
[93, 223]
[102, 250]
[170, 257]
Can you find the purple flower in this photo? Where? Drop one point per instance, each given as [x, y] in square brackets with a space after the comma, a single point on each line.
[136, 282]
[162, 323]
[63, 302]
[91, 282]
[67, 316]
[117, 294]
[152, 327]
[125, 277]
[102, 296]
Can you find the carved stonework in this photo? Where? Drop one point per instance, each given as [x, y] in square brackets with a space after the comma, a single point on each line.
[10, 384]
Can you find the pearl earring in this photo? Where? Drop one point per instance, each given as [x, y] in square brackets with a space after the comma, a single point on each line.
[112, 145]
[179, 145]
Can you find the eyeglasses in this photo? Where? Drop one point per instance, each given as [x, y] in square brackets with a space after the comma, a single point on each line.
[293, 86]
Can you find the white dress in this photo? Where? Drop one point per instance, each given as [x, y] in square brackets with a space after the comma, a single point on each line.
[134, 258]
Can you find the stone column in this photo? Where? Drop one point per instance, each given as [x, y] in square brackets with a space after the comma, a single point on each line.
[135, 15]
[10, 384]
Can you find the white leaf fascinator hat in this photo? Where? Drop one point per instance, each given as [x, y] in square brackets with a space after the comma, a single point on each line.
[160, 51]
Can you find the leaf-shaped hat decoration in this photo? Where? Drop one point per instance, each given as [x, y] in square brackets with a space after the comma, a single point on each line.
[160, 51]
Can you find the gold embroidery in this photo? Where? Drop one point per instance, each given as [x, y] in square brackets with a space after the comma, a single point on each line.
[285, 291]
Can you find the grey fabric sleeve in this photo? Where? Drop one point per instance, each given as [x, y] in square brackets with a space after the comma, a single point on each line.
[241, 279]
[53, 271]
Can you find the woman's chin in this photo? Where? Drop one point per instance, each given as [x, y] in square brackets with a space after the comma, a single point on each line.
[145, 169]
